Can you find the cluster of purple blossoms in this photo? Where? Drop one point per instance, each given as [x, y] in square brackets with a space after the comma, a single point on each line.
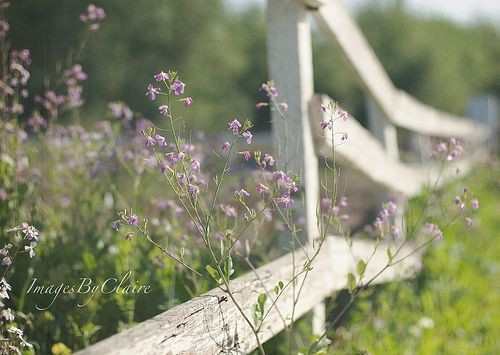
[434, 231]
[466, 204]
[229, 211]
[73, 77]
[240, 130]
[174, 87]
[93, 16]
[14, 80]
[269, 89]
[30, 235]
[120, 110]
[335, 113]
[241, 193]
[328, 208]
[286, 187]
[385, 221]
[449, 151]
[272, 93]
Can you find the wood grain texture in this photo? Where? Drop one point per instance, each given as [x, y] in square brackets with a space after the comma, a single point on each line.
[209, 324]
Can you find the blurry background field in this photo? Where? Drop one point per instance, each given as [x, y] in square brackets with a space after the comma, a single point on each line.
[220, 52]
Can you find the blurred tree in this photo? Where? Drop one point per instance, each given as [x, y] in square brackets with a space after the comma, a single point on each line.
[221, 55]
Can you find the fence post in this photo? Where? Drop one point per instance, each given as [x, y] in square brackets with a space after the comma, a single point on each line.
[290, 66]
[485, 109]
[382, 129]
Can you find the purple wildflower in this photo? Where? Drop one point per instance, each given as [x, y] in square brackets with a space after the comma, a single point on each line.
[225, 147]
[246, 155]
[268, 160]
[152, 92]
[229, 211]
[193, 190]
[133, 220]
[160, 140]
[242, 193]
[163, 110]
[284, 201]
[475, 204]
[234, 126]
[434, 231]
[188, 101]
[261, 188]
[120, 110]
[177, 87]
[161, 76]
[195, 165]
[326, 123]
[248, 137]
[150, 141]
[270, 89]
[93, 16]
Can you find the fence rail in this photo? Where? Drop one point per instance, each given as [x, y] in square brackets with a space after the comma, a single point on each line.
[211, 323]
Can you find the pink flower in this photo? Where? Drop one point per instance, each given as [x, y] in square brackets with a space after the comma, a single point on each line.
[93, 16]
[261, 188]
[163, 110]
[150, 141]
[229, 211]
[434, 231]
[234, 126]
[195, 165]
[248, 137]
[177, 87]
[160, 140]
[268, 160]
[284, 201]
[161, 76]
[326, 123]
[246, 155]
[133, 220]
[242, 193]
[225, 147]
[152, 92]
[343, 115]
[188, 101]
[193, 190]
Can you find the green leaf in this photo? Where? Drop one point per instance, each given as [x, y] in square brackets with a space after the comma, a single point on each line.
[213, 273]
[361, 267]
[228, 267]
[351, 281]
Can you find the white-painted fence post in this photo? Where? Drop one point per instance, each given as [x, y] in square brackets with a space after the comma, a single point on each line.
[382, 129]
[290, 66]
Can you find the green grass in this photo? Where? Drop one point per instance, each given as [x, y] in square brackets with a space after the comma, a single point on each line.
[457, 294]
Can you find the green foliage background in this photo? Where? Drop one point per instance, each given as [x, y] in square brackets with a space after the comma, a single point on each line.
[222, 54]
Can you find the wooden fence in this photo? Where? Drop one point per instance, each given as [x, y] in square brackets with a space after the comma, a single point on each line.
[210, 323]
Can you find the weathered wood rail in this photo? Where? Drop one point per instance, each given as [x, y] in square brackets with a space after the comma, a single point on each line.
[210, 323]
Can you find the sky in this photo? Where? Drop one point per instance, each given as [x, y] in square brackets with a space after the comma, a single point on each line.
[458, 10]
